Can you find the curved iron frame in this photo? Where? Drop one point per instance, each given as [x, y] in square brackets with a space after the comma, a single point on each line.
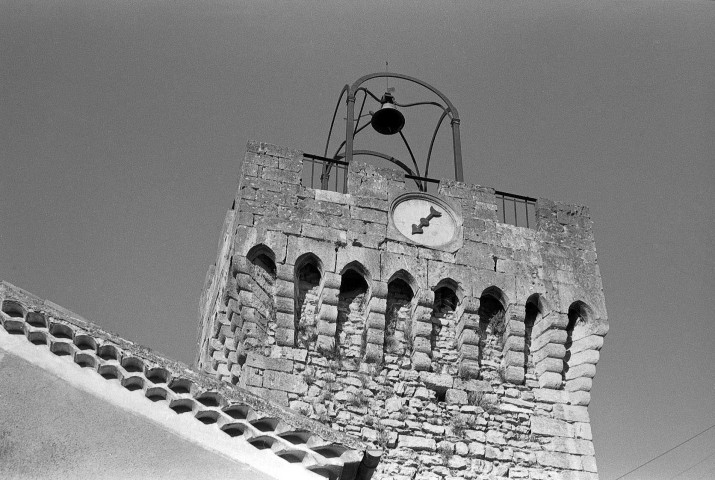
[352, 127]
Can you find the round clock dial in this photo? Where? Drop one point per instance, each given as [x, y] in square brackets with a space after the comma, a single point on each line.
[425, 219]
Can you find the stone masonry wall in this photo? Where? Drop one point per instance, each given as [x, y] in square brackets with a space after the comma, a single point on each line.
[473, 363]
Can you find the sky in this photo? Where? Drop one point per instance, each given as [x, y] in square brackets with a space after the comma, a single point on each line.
[123, 125]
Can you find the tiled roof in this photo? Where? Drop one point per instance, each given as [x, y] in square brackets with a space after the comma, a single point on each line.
[228, 409]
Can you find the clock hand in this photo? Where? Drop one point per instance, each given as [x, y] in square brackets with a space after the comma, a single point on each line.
[424, 222]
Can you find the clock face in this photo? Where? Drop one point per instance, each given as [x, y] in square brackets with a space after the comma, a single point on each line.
[425, 219]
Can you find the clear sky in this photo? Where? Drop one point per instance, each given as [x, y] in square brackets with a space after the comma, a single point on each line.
[123, 125]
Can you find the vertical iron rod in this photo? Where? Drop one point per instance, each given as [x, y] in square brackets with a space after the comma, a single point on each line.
[503, 209]
[349, 127]
[457, 141]
[312, 173]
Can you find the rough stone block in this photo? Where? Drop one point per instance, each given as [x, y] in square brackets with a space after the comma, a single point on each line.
[550, 380]
[473, 385]
[549, 322]
[470, 337]
[250, 377]
[327, 329]
[458, 397]
[375, 336]
[390, 263]
[592, 342]
[547, 395]
[559, 460]
[549, 365]
[469, 352]
[514, 359]
[421, 361]
[514, 344]
[514, 375]
[373, 353]
[285, 305]
[583, 370]
[583, 430]
[325, 251]
[571, 413]
[515, 327]
[436, 381]
[550, 336]
[583, 384]
[285, 337]
[571, 445]
[416, 443]
[277, 396]
[592, 327]
[285, 382]
[580, 398]
[368, 215]
[584, 357]
[324, 233]
[265, 363]
[550, 350]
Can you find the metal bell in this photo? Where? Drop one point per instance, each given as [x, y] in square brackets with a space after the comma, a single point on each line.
[388, 120]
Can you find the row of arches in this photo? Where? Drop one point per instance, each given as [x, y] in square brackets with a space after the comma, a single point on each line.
[349, 315]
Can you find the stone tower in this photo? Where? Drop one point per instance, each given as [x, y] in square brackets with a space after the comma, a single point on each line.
[430, 325]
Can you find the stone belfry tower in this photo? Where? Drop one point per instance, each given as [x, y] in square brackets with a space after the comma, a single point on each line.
[458, 332]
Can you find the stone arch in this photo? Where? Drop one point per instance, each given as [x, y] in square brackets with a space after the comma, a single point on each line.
[263, 257]
[400, 307]
[308, 278]
[447, 298]
[579, 314]
[534, 310]
[493, 304]
[262, 262]
[353, 300]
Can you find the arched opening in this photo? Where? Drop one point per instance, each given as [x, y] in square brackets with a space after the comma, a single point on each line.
[442, 337]
[307, 290]
[398, 314]
[263, 257]
[352, 302]
[578, 314]
[492, 322]
[534, 310]
[263, 280]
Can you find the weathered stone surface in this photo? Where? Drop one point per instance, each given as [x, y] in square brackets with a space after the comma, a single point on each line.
[550, 396]
[571, 445]
[416, 443]
[550, 350]
[572, 413]
[458, 397]
[285, 382]
[579, 384]
[584, 370]
[437, 382]
[584, 357]
[259, 361]
[551, 427]
[591, 342]
[559, 460]
[550, 380]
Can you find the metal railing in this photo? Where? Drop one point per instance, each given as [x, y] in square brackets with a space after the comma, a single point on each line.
[516, 210]
[325, 173]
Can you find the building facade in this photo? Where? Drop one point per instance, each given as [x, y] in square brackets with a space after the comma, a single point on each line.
[423, 324]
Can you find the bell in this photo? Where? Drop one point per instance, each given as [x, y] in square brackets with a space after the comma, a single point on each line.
[388, 120]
